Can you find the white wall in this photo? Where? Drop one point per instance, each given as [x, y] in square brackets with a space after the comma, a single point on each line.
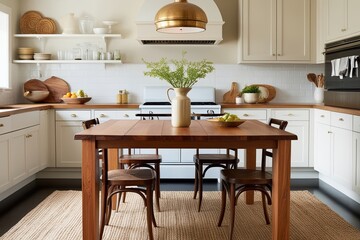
[102, 82]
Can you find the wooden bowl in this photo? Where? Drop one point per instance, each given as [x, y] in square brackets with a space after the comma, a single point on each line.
[218, 123]
[79, 100]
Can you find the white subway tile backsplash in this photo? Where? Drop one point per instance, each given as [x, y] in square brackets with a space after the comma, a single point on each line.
[102, 82]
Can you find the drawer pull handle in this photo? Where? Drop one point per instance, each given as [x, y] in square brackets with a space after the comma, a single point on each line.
[343, 29]
[126, 115]
[102, 115]
[73, 115]
[245, 115]
[290, 114]
[329, 131]
[341, 119]
[1, 125]
[322, 116]
[28, 135]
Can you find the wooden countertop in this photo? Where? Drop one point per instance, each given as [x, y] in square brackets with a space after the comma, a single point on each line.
[19, 108]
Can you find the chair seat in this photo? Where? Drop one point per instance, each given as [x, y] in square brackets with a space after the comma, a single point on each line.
[214, 158]
[129, 177]
[140, 158]
[246, 176]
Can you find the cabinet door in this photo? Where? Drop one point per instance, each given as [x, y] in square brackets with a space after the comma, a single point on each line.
[299, 148]
[322, 148]
[336, 18]
[353, 17]
[356, 162]
[68, 150]
[259, 30]
[4, 162]
[32, 150]
[342, 156]
[17, 163]
[293, 30]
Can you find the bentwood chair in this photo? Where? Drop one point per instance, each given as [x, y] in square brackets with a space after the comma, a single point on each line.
[140, 181]
[237, 181]
[225, 161]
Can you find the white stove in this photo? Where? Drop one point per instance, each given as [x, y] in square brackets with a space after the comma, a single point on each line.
[202, 100]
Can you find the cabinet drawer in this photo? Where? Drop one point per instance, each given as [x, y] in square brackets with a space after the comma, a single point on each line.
[356, 123]
[341, 120]
[75, 115]
[258, 114]
[290, 114]
[5, 125]
[322, 116]
[24, 120]
[115, 114]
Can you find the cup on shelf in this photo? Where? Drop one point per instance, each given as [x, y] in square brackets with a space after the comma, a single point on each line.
[117, 55]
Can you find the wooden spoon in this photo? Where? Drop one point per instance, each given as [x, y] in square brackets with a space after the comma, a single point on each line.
[312, 78]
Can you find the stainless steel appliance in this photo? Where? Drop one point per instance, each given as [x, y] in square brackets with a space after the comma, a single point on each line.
[156, 101]
[342, 77]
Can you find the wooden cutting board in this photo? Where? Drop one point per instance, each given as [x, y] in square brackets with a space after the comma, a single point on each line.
[57, 88]
[35, 85]
[229, 97]
[271, 93]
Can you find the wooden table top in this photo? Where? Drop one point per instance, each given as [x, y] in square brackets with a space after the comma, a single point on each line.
[201, 133]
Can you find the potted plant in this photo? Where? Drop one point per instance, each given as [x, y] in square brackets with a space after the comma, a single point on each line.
[181, 75]
[251, 93]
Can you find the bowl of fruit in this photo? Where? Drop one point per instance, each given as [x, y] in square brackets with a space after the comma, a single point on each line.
[79, 97]
[227, 120]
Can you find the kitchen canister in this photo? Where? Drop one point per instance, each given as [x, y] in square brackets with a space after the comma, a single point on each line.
[319, 95]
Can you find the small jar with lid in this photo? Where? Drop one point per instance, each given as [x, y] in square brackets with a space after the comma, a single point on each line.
[124, 97]
[119, 97]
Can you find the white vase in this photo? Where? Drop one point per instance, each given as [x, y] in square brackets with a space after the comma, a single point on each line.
[69, 24]
[319, 95]
[251, 97]
[180, 107]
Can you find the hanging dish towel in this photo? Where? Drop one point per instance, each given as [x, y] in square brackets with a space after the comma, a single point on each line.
[343, 67]
[353, 66]
[335, 64]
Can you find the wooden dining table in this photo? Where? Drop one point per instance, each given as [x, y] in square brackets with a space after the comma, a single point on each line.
[250, 135]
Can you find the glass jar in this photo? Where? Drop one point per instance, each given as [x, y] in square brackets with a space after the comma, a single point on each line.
[86, 25]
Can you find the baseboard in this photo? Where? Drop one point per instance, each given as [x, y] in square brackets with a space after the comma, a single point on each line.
[340, 198]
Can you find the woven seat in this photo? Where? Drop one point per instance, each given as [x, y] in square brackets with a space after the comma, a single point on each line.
[225, 161]
[237, 181]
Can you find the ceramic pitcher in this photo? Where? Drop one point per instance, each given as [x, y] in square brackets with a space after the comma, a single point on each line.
[180, 107]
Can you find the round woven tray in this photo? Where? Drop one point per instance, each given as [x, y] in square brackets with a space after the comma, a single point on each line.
[28, 22]
[46, 26]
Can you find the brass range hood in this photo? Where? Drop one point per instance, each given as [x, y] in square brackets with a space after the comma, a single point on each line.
[180, 17]
[147, 33]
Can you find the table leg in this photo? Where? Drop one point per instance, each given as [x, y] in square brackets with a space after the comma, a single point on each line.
[90, 191]
[113, 163]
[281, 190]
[250, 163]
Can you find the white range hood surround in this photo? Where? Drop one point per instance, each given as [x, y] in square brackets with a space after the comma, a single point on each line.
[147, 34]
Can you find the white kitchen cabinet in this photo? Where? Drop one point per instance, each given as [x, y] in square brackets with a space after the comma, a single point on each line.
[342, 19]
[275, 31]
[68, 123]
[105, 115]
[333, 146]
[298, 124]
[4, 162]
[47, 140]
[356, 161]
[24, 153]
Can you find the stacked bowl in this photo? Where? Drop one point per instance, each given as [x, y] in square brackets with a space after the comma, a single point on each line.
[26, 53]
[42, 56]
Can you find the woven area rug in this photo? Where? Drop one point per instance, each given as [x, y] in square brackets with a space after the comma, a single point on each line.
[59, 217]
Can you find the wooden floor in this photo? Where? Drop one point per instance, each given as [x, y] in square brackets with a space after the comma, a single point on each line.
[12, 210]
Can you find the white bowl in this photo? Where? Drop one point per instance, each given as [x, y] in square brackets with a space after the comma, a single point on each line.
[100, 30]
[42, 56]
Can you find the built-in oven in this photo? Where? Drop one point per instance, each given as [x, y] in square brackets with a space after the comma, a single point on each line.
[342, 76]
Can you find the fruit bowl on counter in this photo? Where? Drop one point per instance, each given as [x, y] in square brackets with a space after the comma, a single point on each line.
[78, 100]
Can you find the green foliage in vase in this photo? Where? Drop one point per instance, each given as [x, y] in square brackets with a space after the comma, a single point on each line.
[184, 74]
[251, 89]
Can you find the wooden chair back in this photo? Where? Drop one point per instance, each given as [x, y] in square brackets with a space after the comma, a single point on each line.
[281, 124]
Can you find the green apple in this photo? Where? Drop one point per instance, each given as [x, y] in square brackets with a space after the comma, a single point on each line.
[80, 93]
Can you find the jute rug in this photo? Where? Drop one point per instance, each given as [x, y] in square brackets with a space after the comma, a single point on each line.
[59, 217]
